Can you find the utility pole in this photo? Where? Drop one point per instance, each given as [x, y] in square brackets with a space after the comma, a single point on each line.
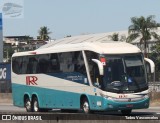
[1, 39]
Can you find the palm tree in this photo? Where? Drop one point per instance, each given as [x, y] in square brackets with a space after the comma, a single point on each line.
[44, 33]
[143, 28]
[114, 37]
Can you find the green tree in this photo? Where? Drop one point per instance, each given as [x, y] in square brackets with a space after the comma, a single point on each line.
[114, 37]
[7, 53]
[44, 33]
[28, 39]
[155, 56]
[142, 28]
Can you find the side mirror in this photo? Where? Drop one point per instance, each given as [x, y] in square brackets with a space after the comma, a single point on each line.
[151, 65]
[100, 66]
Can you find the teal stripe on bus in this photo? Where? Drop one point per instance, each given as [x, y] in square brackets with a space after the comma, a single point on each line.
[50, 98]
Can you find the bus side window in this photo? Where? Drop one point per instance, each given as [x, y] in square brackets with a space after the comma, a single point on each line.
[66, 62]
[93, 68]
[79, 64]
[32, 65]
[15, 65]
[24, 65]
[55, 66]
[42, 65]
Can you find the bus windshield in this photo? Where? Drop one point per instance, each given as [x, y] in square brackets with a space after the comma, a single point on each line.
[124, 74]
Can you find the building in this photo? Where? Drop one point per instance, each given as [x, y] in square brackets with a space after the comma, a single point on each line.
[23, 43]
[31, 45]
[16, 40]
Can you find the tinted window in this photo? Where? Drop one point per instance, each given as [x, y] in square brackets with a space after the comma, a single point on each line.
[49, 63]
[32, 65]
[93, 68]
[67, 65]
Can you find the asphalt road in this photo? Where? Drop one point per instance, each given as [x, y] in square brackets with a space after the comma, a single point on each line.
[9, 109]
[150, 111]
[19, 113]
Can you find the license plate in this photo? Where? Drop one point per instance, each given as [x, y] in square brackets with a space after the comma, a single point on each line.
[129, 106]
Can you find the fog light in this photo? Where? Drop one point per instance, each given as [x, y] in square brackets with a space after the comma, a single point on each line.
[146, 104]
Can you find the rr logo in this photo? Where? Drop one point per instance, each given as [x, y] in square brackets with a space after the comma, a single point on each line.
[31, 80]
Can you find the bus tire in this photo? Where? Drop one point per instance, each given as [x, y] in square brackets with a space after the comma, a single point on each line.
[35, 105]
[126, 112]
[27, 104]
[85, 106]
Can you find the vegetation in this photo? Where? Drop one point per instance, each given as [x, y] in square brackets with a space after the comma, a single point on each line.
[44, 33]
[155, 56]
[117, 37]
[28, 39]
[7, 53]
[114, 37]
[143, 28]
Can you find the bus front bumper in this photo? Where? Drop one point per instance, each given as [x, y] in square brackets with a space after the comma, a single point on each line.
[116, 105]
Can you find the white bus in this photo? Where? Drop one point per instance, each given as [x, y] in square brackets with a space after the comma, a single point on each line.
[87, 73]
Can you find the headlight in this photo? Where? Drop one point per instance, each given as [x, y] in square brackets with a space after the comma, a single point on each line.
[146, 96]
[107, 97]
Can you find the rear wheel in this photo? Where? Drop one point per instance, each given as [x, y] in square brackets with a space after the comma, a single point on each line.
[27, 105]
[35, 105]
[126, 112]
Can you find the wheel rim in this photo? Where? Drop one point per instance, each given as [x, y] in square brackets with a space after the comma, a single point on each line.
[35, 106]
[86, 107]
[28, 105]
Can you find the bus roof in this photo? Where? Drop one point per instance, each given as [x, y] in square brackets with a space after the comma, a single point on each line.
[93, 42]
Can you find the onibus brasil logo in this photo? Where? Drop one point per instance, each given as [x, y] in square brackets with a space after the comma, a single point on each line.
[12, 9]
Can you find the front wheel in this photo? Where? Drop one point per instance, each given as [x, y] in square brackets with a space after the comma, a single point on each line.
[126, 112]
[85, 106]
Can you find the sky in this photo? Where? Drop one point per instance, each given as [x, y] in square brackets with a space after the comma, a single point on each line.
[76, 17]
